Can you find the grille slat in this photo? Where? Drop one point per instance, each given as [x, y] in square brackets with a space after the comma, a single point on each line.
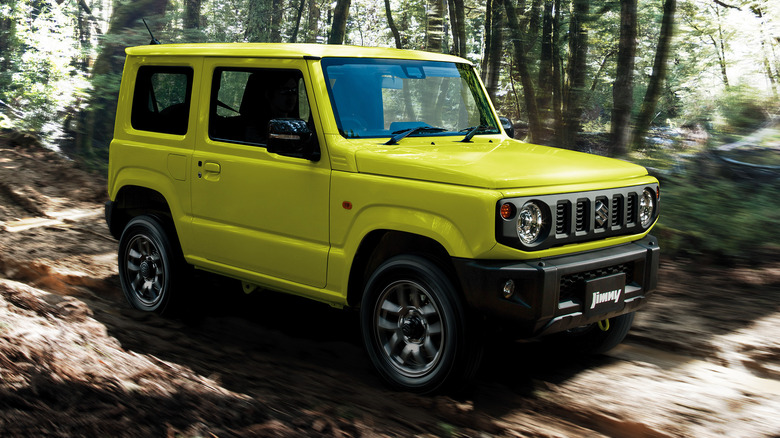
[582, 213]
[562, 217]
[630, 202]
[617, 211]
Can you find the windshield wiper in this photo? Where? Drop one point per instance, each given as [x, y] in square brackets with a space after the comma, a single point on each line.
[474, 130]
[399, 135]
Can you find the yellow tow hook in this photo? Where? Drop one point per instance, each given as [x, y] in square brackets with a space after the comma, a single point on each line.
[604, 325]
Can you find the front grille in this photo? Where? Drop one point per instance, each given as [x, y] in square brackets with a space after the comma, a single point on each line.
[573, 285]
[578, 217]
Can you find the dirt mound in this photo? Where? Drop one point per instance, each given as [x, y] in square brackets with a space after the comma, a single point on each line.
[57, 363]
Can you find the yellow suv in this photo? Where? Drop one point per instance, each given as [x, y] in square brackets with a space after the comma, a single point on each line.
[378, 179]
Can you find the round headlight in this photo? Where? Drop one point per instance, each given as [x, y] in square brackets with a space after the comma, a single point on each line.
[646, 208]
[530, 222]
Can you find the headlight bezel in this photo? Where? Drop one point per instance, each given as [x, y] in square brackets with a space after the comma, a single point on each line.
[646, 214]
[532, 223]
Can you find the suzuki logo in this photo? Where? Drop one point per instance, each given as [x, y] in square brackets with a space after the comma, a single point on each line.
[602, 214]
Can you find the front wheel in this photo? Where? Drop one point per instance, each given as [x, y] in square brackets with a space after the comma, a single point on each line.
[415, 328]
[149, 262]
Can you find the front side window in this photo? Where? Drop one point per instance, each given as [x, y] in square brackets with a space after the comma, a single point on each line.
[161, 100]
[382, 97]
[243, 101]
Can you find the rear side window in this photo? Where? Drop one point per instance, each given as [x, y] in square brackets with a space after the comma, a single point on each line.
[161, 101]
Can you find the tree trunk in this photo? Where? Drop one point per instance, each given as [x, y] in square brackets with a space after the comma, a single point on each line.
[533, 25]
[535, 129]
[192, 14]
[494, 48]
[545, 96]
[577, 74]
[623, 89]
[720, 46]
[298, 17]
[339, 26]
[314, 22]
[458, 24]
[97, 125]
[764, 52]
[257, 29]
[393, 27]
[602, 65]
[7, 43]
[434, 35]
[488, 26]
[558, 75]
[646, 113]
[277, 9]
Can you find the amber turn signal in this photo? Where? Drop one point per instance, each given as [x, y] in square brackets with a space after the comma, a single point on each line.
[507, 211]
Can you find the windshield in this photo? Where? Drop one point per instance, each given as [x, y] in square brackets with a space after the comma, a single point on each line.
[385, 97]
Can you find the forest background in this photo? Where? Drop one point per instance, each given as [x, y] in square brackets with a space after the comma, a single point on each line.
[626, 78]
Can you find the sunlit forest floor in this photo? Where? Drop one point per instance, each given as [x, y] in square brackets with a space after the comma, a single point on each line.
[703, 359]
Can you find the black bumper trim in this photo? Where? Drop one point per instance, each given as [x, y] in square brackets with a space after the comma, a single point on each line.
[537, 306]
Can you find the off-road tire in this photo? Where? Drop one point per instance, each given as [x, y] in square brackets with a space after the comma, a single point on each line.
[415, 327]
[150, 265]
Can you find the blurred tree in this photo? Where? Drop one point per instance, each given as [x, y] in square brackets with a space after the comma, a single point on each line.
[766, 47]
[657, 78]
[494, 47]
[518, 34]
[276, 15]
[8, 44]
[434, 33]
[313, 22]
[458, 26]
[258, 29]
[574, 94]
[97, 123]
[546, 68]
[192, 14]
[623, 90]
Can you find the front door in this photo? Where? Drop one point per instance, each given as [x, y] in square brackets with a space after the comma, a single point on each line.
[253, 211]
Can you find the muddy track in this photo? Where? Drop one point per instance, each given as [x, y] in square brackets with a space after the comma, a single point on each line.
[702, 360]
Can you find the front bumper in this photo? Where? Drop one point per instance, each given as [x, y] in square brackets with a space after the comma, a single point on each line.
[550, 293]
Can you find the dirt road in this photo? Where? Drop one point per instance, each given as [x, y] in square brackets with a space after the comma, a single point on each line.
[703, 359]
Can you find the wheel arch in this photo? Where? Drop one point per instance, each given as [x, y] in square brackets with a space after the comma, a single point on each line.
[381, 245]
[131, 201]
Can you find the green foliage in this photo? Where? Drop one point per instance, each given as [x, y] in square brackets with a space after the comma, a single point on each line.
[741, 109]
[721, 219]
[42, 82]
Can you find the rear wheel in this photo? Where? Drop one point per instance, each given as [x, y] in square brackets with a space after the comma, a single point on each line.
[415, 328]
[149, 264]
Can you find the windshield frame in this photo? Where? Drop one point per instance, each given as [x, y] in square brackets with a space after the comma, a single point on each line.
[465, 72]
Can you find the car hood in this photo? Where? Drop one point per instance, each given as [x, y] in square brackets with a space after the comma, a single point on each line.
[492, 165]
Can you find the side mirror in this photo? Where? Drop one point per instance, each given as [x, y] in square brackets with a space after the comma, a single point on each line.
[508, 126]
[292, 138]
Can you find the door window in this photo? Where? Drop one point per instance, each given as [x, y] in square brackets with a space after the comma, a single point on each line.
[243, 101]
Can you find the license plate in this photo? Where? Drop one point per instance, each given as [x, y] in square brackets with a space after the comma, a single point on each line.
[605, 294]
